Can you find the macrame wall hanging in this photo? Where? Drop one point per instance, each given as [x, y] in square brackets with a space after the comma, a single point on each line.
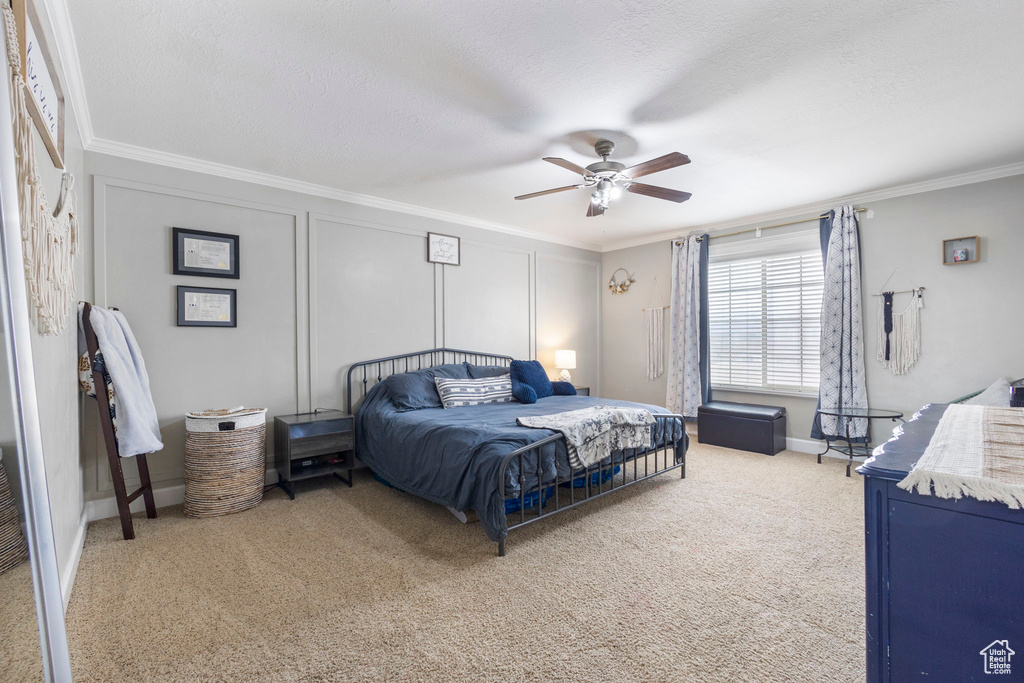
[49, 238]
[654, 317]
[899, 334]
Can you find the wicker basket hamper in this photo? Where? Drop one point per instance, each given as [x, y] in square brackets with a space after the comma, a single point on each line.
[225, 460]
[13, 549]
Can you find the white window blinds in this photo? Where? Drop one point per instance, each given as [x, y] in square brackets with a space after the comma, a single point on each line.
[765, 315]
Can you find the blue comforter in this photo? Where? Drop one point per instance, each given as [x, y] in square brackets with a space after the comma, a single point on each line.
[452, 456]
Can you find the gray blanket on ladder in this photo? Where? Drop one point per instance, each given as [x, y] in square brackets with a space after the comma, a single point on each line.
[592, 434]
[136, 426]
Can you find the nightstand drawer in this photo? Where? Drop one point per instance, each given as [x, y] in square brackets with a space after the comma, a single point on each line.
[320, 444]
[331, 427]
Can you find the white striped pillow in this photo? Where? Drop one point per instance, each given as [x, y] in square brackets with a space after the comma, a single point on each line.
[456, 393]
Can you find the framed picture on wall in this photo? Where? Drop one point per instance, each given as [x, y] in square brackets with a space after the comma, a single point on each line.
[208, 254]
[44, 97]
[444, 249]
[207, 307]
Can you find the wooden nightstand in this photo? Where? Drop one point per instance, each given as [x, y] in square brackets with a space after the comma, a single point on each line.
[314, 444]
[583, 391]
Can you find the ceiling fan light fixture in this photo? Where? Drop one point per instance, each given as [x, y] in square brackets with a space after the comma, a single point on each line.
[609, 178]
[604, 193]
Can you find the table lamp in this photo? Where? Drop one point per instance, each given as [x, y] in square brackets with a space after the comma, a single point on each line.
[565, 360]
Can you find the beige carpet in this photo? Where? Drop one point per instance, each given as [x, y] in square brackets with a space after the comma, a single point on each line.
[21, 658]
[751, 569]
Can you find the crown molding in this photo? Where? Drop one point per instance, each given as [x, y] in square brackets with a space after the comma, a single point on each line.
[153, 156]
[816, 208]
[67, 55]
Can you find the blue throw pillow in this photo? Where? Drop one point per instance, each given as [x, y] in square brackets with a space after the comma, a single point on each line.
[563, 388]
[524, 393]
[531, 372]
[416, 390]
[484, 371]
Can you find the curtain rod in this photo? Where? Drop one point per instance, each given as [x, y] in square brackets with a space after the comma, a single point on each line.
[765, 227]
[915, 290]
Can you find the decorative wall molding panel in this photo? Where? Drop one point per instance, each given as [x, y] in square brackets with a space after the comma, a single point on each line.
[320, 290]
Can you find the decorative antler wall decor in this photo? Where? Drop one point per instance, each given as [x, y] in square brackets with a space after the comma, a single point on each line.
[620, 287]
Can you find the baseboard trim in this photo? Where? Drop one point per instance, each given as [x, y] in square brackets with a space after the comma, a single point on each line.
[804, 445]
[814, 447]
[799, 445]
[70, 570]
[105, 508]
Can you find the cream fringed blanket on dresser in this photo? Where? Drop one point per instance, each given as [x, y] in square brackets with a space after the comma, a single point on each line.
[976, 451]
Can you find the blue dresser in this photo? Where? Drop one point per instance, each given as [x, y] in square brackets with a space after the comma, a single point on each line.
[945, 578]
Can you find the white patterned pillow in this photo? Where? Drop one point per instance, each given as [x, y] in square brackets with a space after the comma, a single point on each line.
[456, 393]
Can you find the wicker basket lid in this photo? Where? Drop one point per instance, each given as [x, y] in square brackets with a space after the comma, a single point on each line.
[219, 413]
[224, 419]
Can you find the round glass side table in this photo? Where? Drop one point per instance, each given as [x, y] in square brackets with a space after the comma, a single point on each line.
[847, 415]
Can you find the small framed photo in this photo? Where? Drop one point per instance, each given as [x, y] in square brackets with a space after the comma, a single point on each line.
[444, 249]
[208, 254]
[207, 307]
[960, 250]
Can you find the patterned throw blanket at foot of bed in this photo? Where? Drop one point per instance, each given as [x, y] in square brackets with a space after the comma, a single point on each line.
[591, 434]
[975, 451]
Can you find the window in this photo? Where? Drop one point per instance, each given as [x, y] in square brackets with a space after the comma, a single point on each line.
[765, 314]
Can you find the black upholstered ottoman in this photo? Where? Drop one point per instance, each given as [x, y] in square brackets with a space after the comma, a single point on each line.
[743, 426]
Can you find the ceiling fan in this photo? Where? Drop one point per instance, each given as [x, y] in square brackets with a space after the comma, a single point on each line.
[608, 179]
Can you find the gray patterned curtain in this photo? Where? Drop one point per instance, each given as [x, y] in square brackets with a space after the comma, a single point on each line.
[688, 359]
[842, 381]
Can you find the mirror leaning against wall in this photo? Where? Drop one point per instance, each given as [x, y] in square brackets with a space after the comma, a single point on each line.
[33, 644]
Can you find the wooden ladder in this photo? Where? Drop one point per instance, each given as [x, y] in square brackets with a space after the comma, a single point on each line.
[124, 499]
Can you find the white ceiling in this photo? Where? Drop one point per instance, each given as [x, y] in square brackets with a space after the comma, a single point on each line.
[450, 105]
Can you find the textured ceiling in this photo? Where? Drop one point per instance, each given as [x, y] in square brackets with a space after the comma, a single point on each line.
[450, 105]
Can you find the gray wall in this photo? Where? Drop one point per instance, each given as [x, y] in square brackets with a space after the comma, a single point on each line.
[54, 359]
[972, 326]
[324, 283]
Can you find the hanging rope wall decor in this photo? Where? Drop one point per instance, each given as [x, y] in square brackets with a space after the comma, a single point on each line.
[49, 241]
[899, 334]
[654, 316]
[620, 286]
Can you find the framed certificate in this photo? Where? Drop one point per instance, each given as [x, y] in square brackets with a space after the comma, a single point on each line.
[207, 307]
[209, 254]
[443, 249]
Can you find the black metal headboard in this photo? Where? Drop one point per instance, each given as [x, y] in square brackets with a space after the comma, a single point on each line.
[370, 372]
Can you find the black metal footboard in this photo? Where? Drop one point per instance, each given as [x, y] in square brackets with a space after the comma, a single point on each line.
[551, 495]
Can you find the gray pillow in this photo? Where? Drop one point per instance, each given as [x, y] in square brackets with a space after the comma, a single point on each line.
[997, 395]
[483, 371]
[416, 390]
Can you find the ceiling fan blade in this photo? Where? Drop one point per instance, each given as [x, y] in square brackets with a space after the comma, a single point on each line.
[670, 160]
[594, 210]
[659, 192]
[544, 192]
[568, 165]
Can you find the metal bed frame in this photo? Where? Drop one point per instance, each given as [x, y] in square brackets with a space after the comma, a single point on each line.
[551, 498]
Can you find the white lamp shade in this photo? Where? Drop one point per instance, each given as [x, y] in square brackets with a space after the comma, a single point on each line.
[565, 360]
